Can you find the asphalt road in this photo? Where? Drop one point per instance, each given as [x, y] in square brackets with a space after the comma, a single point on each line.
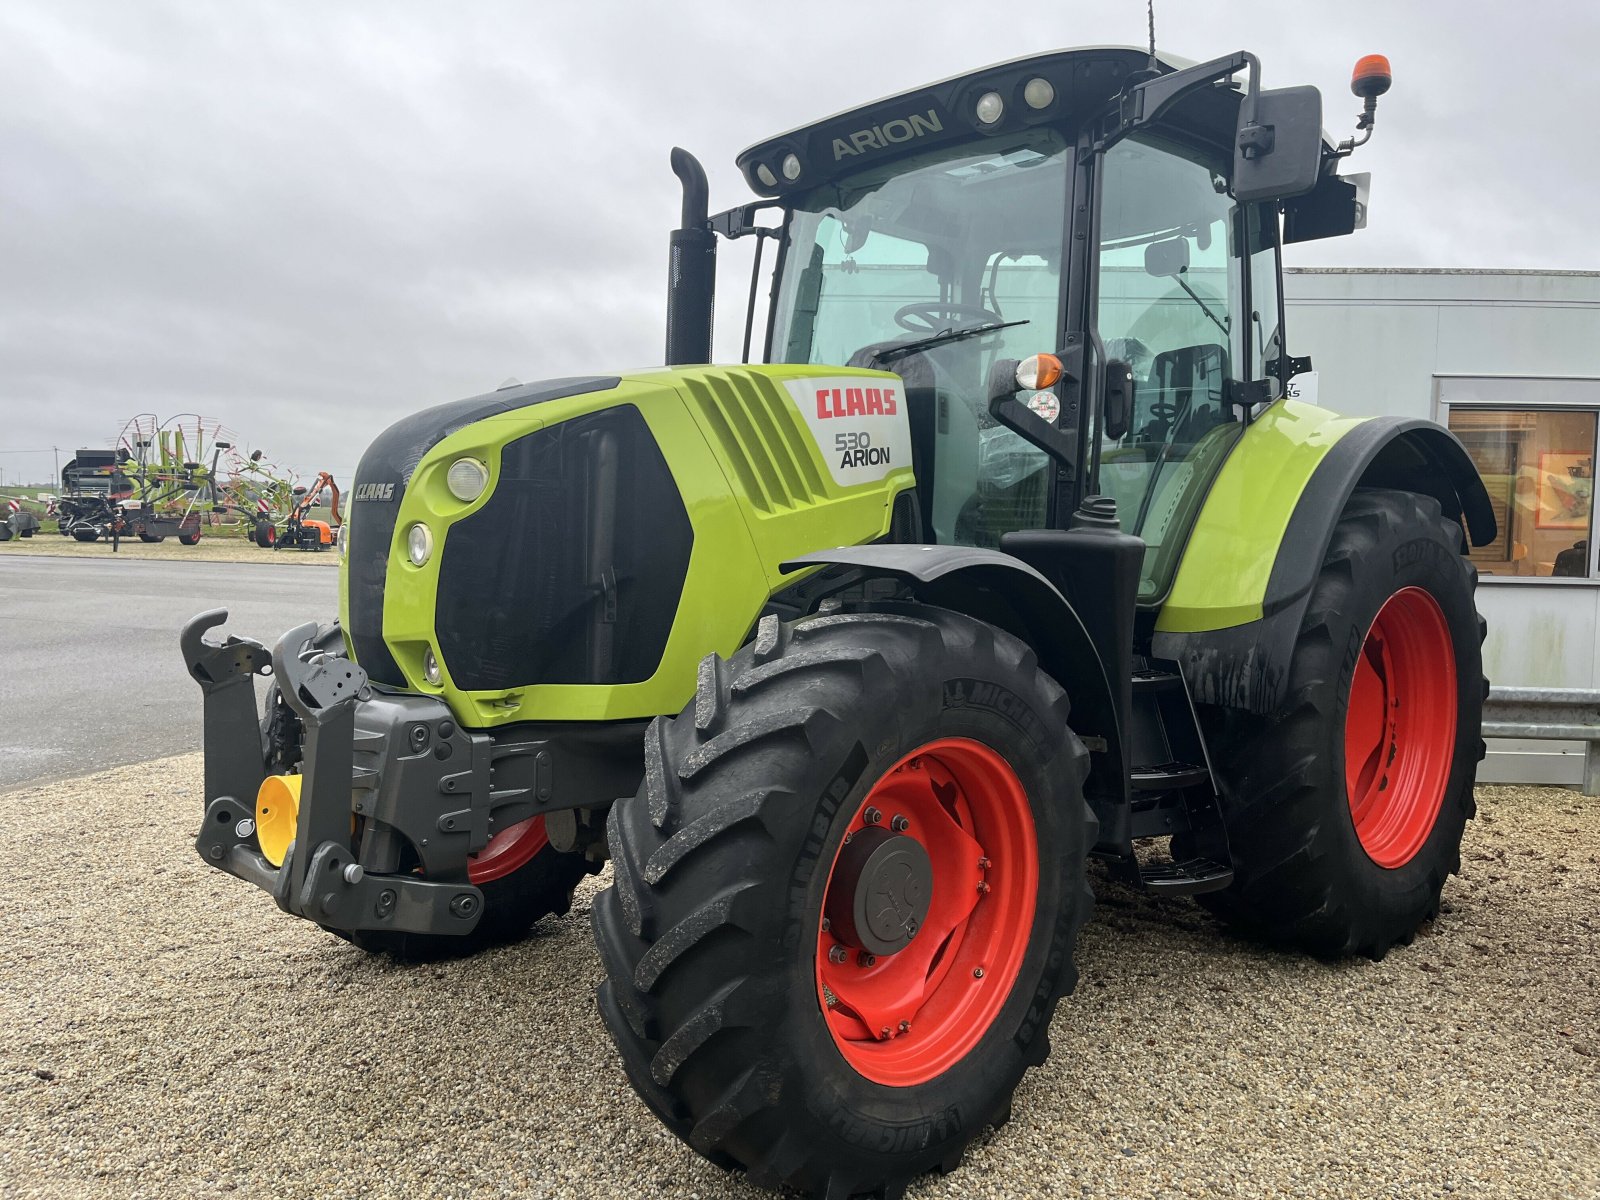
[90, 675]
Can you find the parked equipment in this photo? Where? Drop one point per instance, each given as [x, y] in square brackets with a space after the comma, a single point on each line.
[158, 481]
[298, 529]
[1012, 553]
[16, 521]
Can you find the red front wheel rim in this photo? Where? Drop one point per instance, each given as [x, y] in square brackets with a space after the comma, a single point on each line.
[508, 850]
[1400, 727]
[903, 1017]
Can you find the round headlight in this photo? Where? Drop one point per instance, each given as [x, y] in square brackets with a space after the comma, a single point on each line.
[990, 108]
[1039, 93]
[791, 167]
[430, 668]
[765, 175]
[466, 479]
[419, 544]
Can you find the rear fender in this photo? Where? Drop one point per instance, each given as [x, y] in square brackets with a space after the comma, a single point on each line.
[1006, 592]
[1243, 663]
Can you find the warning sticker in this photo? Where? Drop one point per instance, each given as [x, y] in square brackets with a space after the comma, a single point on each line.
[860, 425]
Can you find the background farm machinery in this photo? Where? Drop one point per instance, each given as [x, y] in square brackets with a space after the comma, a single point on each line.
[172, 478]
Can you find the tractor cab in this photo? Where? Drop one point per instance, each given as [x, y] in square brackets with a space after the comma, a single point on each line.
[1116, 211]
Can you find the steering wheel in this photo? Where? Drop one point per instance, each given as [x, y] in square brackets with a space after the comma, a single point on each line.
[928, 317]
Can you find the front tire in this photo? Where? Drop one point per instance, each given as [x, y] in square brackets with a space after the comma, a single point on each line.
[794, 986]
[1345, 808]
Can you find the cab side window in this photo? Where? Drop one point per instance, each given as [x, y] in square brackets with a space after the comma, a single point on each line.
[1265, 328]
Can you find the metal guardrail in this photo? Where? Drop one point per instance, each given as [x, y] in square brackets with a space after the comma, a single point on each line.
[1551, 714]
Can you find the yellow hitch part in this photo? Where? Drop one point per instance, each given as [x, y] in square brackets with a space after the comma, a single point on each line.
[277, 815]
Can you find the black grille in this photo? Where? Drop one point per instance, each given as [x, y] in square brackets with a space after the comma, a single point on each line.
[572, 570]
[387, 466]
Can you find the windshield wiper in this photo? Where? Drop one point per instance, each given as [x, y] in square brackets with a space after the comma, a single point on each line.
[1204, 307]
[940, 338]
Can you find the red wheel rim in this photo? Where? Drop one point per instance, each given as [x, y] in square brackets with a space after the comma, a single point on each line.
[903, 1018]
[511, 848]
[1400, 727]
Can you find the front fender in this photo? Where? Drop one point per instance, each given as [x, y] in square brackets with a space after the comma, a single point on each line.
[1006, 592]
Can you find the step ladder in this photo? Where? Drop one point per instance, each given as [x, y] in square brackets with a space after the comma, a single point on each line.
[1174, 793]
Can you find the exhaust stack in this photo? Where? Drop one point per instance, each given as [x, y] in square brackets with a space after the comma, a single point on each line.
[692, 268]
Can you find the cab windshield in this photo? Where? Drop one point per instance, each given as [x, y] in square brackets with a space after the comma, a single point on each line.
[906, 269]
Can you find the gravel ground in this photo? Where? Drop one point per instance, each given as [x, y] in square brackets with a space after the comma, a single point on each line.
[211, 548]
[165, 1031]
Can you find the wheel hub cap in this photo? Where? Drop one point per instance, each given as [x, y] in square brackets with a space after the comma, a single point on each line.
[882, 887]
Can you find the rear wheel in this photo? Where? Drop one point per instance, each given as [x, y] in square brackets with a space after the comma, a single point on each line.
[846, 897]
[1346, 807]
[86, 534]
[151, 538]
[265, 534]
[190, 539]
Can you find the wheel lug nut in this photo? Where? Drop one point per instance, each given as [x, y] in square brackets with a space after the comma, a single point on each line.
[866, 960]
[983, 887]
[984, 864]
[977, 972]
[885, 1031]
[905, 1026]
[826, 924]
[838, 954]
[899, 824]
[872, 816]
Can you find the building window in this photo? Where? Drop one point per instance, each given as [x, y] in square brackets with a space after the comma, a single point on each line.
[1538, 465]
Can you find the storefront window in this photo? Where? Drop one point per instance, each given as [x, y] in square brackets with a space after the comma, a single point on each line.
[1538, 466]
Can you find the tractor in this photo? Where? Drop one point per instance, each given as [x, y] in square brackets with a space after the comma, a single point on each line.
[1012, 552]
[300, 530]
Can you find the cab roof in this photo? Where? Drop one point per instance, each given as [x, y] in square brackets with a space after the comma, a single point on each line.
[1076, 83]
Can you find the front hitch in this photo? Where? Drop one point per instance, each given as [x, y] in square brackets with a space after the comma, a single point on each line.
[324, 882]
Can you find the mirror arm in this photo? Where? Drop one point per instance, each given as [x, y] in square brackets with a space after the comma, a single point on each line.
[1147, 101]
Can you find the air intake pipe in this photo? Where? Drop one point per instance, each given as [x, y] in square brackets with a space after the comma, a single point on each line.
[692, 269]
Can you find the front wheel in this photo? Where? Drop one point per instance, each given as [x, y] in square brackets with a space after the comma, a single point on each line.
[1346, 807]
[846, 898]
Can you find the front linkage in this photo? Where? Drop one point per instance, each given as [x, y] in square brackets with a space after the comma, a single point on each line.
[396, 802]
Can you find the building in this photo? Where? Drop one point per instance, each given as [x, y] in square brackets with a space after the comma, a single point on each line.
[1510, 361]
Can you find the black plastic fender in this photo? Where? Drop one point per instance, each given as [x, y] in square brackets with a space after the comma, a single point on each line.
[1245, 666]
[1006, 592]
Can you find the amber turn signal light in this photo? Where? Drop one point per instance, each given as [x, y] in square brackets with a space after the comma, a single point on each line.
[1039, 371]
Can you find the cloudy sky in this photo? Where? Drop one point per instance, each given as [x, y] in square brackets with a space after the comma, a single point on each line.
[305, 219]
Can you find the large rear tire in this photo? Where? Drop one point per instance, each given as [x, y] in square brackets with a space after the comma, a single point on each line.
[845, 899]
[1345, 808]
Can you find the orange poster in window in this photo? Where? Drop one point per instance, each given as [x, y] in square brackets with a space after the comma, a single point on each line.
[1566, 489]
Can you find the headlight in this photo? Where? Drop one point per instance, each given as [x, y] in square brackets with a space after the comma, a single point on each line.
[419, 544]
[466, 479]
[430, 668]
[342, 538]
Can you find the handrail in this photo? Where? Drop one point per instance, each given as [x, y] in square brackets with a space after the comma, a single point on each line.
[1556, 714]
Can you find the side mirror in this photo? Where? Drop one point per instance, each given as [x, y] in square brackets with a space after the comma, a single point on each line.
[1279, 149]
[1165, 260]
[1117, 404]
